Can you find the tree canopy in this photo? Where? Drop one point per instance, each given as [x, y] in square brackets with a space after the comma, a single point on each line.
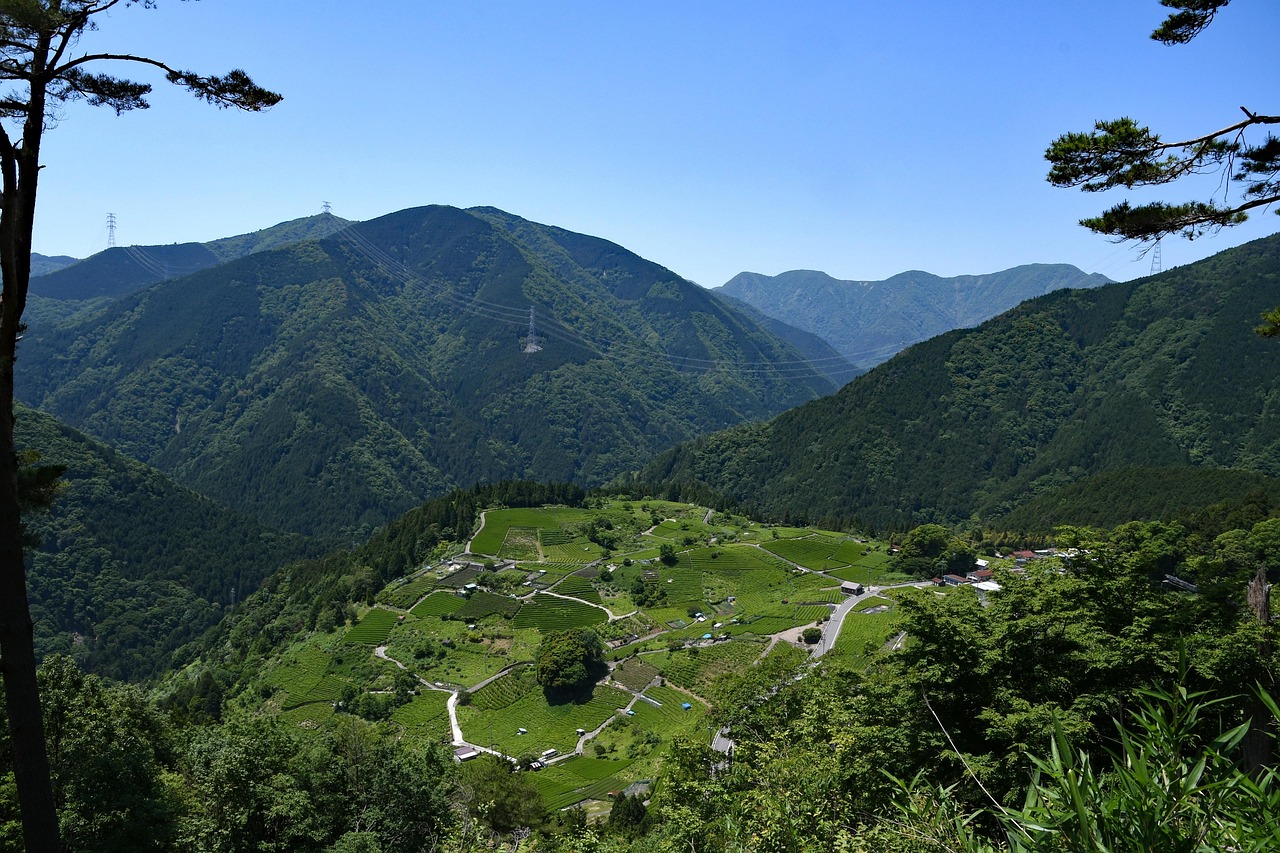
[1124, 153]
[569, 660]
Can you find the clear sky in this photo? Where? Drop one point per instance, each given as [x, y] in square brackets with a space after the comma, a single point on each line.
[858, 138]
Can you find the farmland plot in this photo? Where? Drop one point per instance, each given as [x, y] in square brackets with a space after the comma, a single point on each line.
[547, 726]
[549, 613]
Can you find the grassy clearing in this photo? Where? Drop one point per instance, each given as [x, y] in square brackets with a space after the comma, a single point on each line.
[520, 543]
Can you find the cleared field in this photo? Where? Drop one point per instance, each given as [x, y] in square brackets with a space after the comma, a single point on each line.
[547, 726]
[520, 543]
[498, 521]
[438, 604]
[373, 629]
[634, 673]
[574, 552]
[549, 613]
[695, 669]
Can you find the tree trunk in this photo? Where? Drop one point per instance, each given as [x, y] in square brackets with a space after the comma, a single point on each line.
[1257, 741]
[18, 663]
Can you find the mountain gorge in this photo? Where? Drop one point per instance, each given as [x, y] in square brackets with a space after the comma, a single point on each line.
[328, 385]
[1159, 372]
[869, 321]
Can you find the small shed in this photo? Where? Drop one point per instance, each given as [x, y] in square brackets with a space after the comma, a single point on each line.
[685, 705]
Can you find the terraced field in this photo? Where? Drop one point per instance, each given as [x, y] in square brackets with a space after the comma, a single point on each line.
[696, 669]
[634, 673]
[406, 595]
[506, 690]
[567, 782]
[481, 604]
[547, 726]
[579, 587]
[373, 629]
[438, 604]
[498, 521]
[549, 613]
[426, 718]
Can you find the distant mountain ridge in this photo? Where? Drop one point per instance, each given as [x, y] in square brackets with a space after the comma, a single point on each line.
[1160, 372]
[869, 321]
[121, 270]
[328, 385]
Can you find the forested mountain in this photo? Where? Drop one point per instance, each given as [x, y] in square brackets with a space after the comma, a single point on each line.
[123, 269]
[821, 354]
[1164, 371]
[869, 321]
[329, 385]
[45, 264]
[130, 565]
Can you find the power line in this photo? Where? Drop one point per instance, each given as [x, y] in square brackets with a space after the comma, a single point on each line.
[605, 347]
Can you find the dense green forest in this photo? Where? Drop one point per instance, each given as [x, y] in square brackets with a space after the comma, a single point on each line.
[327, 386]
[1160, 372]
[129, 566]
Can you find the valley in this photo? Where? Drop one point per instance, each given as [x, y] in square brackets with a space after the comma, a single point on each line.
[731, 595]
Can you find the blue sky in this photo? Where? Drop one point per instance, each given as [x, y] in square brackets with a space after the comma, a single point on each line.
[858, 138]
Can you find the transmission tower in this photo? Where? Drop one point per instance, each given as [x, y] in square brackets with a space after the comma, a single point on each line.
[1155, 259]
[531, 340]
[326, 207]
[111, 230]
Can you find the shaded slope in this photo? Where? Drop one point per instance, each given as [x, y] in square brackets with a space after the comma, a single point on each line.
[131, 565]
[1160, 372]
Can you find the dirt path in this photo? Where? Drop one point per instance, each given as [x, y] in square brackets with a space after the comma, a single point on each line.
[467, 550]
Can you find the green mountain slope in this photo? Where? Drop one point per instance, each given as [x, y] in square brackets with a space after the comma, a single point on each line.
[130, 565]
[123, 269]
[45, 264]
[869, 321]
[1160, 372]
[327, 386]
